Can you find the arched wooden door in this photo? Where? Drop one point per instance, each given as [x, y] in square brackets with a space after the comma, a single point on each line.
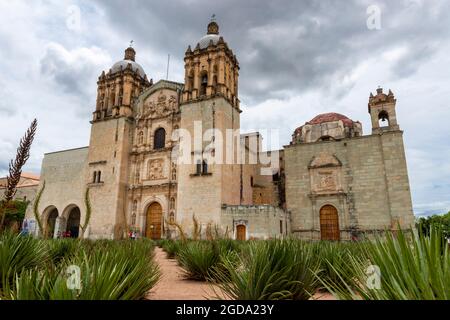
[241, 232]
[329, 223]
[154, 221]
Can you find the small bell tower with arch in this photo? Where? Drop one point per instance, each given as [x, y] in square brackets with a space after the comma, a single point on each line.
[382, 112]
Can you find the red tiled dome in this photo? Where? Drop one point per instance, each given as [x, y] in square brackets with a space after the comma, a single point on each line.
[329, 117]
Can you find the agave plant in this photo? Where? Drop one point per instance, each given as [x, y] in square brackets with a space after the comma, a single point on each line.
[270, 270]
[335, 255]
[108, 269]
[171, 247]
[18, 253]
[398, 268]
[198, 258]
[125, 273]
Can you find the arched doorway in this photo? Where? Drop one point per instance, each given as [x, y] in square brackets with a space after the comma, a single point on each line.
[153, 221]
[51, 222]
[329, 223]
[73, 223]
[241, 232]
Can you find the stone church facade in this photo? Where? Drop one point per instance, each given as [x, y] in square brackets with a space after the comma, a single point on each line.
[144, 172]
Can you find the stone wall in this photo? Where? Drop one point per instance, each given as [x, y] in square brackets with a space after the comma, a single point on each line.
[262, 222]
[63, 173]
[368, 184]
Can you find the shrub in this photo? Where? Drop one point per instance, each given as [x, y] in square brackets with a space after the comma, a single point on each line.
[198, 258]
[270, 270]
[18, 253]
[171, 247]
[109, 269]
[410, 269]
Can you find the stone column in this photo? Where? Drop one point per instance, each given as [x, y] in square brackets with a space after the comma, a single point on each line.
[60, 227]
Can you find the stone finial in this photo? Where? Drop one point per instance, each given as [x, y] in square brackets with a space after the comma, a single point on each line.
[197, 47]
[381, 97]
[130, 54]
[189, 50]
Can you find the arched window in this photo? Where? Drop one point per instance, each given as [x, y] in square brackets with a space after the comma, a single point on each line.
[205, 167]
[159, 139]
[172, 203]
[203, 84]
[383, 119]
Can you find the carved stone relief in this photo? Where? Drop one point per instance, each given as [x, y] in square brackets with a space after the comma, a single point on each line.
[155, 169]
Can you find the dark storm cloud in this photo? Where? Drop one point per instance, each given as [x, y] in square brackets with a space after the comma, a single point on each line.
[287, 47]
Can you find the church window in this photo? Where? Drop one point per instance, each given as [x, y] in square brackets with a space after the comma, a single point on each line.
[281, 226]
[160, 139]
[94, 180]
[203, 84]
[251, 181]
[99, 176]
[383, 119]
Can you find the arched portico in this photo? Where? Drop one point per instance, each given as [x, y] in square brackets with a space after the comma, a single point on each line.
[72, 218]
[49, 216]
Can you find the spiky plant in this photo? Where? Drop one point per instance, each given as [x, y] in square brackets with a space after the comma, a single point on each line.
[270, 270]
[19, 253]
[15, 169]
[410, 268]
[198, 258]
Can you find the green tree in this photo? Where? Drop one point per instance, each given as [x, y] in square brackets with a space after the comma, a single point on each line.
[442, 221]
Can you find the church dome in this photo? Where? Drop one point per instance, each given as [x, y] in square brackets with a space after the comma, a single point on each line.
[205, 40]
[211, 35]
[123, 64]
[331, 117]
[129, 58]
[326, 126]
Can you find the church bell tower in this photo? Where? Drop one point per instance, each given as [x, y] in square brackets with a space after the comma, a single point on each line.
[209, 103]
[110, 144]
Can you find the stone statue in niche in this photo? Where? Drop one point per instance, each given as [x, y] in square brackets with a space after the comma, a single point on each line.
[174, 171]
[155, 169]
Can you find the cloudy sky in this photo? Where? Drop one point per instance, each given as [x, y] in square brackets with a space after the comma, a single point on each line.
[297, 58]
